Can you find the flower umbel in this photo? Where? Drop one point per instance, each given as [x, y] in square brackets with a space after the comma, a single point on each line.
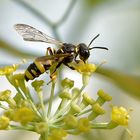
[75, 114]
[120, 115]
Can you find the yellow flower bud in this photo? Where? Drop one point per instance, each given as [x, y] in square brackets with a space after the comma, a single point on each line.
[84, 125]
[4, 122]
[24, 115]
[57, 134]
[74, 108]
[120, 115]
[37, 85]
[67, 83]
[96, 111]
[8, 69]
[70, 121]
[18, 80]
[5, 95]
[88, 99]
[85, 67]
[41, 127]
[9, 113]
[104, 96]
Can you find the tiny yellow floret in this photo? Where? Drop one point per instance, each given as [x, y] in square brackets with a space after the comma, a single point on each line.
[75, 108]
[37, 85]
[9, 113]
[8, 69]
[85, 67]
[120, 115]
[5, 95]
[70, 121]
[84, 125]
[4, 122]
[41, 127]
[67, 83]
[24, 115]
[104, 96]
[57, 134]
[88, 99]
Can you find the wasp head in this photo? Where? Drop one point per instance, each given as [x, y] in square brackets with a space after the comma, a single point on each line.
[84, 52]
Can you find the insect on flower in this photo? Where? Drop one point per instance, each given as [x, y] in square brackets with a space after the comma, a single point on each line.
[66, 54]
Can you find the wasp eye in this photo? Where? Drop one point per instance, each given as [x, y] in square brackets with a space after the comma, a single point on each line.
[83, 52]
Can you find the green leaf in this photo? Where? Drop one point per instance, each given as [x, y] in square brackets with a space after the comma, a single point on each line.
[12, 50]
[93, 2]
[128, 83]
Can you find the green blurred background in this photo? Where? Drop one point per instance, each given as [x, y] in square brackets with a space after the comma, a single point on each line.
[118, 23]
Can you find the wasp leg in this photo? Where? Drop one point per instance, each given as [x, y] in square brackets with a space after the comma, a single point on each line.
[57, 66]
[77, 61]
[50, 51]
[52, 76]
[71, 67]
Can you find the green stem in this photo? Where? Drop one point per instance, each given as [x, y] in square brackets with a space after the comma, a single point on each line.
[15, 127]
[79, 94]
[3, 107]
[106, 125]
[31, 102]
[84, 112]
[63, 110]
[66, 13]
[35, 109]
[44, 136]
[34, 11]
[40, 96]
[47, 100]
[61, 105]
[51, 99]
[18, 90]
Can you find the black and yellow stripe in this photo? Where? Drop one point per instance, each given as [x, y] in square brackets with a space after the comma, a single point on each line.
[35, 70]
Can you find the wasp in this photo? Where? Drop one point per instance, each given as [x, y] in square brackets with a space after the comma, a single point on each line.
[66, 53]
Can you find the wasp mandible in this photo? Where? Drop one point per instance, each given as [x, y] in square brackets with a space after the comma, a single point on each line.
[66, 54]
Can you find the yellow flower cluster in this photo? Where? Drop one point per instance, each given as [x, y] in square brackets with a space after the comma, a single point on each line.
[120, 115]
[74, 115]
[57, 134]
[24, 115]
[8, 69]
[85, 67]
[4, 122]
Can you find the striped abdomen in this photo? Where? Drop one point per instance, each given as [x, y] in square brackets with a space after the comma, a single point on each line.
[35, 70]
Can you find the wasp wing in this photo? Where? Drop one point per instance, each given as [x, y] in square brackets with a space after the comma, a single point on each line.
[30, 33]
[56, 57]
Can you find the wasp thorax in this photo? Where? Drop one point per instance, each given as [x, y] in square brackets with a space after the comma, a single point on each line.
[83, 51]
[68, 48]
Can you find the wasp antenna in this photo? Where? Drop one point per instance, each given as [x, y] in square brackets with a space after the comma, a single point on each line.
[99, 48]
[93, 40]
